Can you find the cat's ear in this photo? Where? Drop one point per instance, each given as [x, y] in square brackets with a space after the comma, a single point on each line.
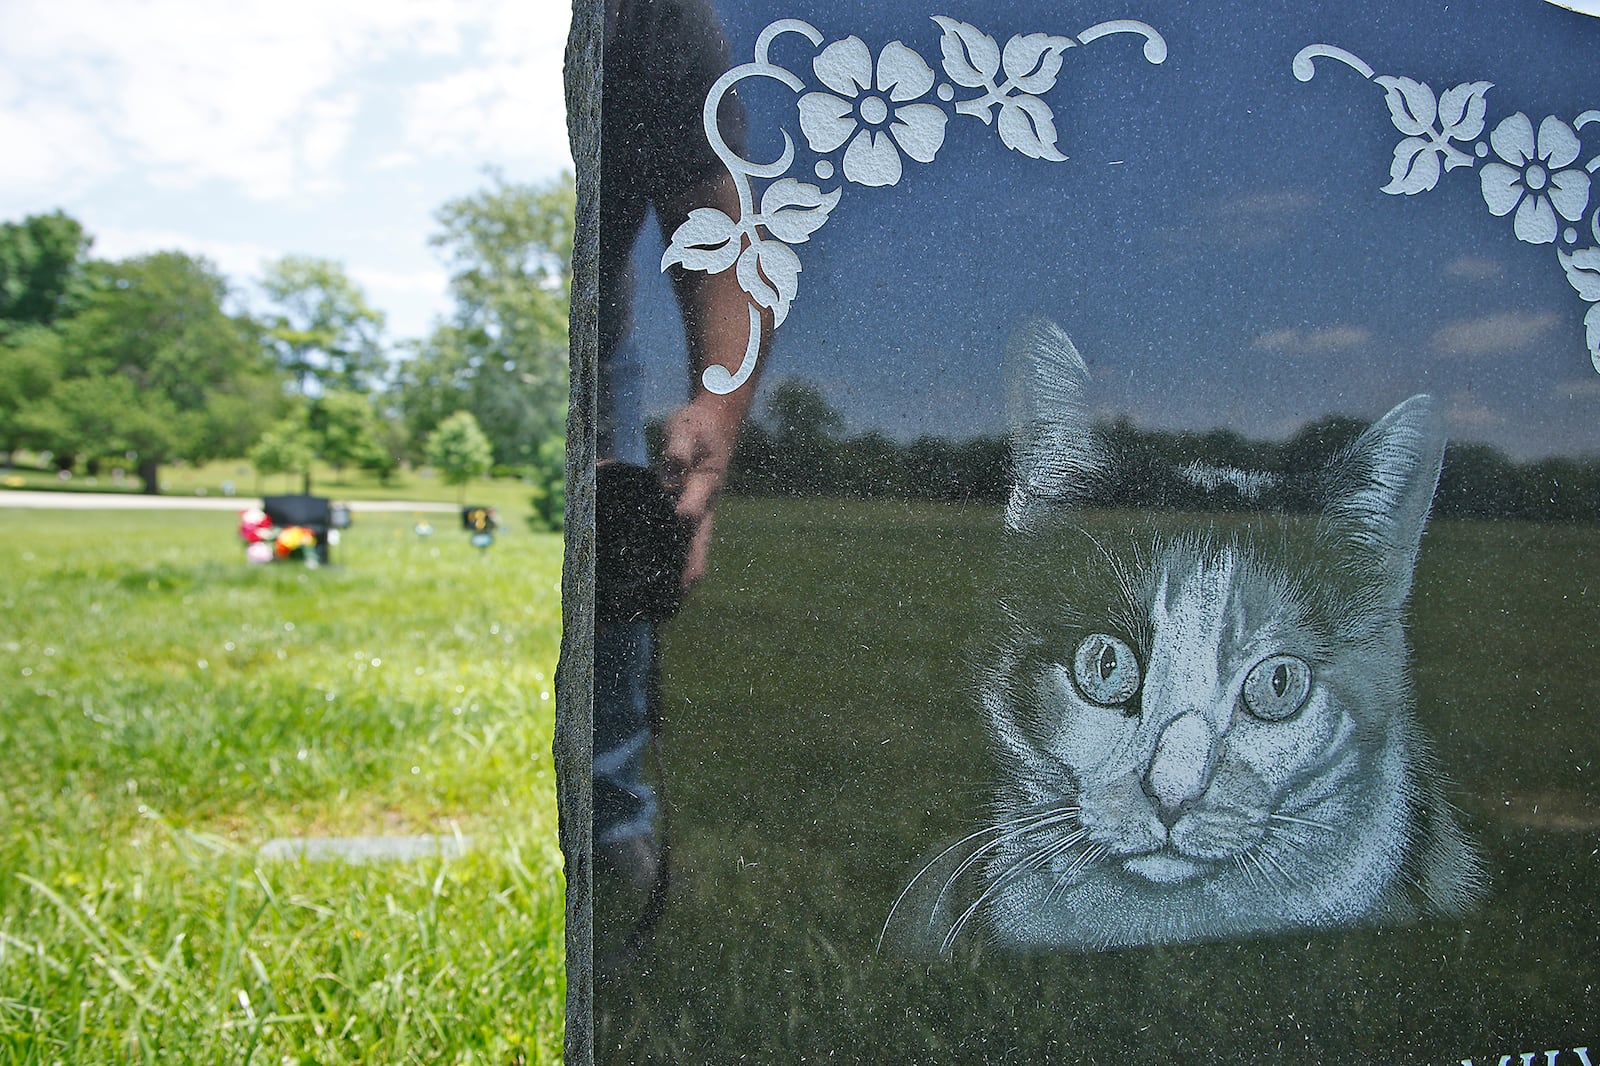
[1382, 489]
[1054, 452]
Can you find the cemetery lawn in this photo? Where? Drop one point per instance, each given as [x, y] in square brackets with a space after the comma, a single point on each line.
[165, 709]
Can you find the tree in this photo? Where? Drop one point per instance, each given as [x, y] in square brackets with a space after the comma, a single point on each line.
[1312, 447]
[389, 436]
[503, 353]
[285, 448]
[346, 429]
[152, 364]
[30, 363]
[450, 372]
[234, 418]
[325, 333]
[103, 417]
[41, 269]
[804, 429]
[549, 496]
[459, 450]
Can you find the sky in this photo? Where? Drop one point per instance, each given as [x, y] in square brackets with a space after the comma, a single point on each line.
[249, 130]
[1217, 241]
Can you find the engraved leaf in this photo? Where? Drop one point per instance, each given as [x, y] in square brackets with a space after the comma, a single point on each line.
[1592, 320]
[1415, 168]
[770, 273]
[708, 240]
[1583, 272]
[1461, 110]
[1452, 156]
[1411, 104]
[971, 57]
[1033, 60]
[1027, 124]
[793, 210]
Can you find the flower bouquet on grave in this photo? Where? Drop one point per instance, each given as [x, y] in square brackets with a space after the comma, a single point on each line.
[296, 542]
[258, 534]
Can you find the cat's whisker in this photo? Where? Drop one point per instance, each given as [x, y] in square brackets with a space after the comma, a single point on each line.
[1030, 862]
[1244, 868]
[985, 831]
[1255, 861]
[1295, 842]
[1023, 865]
[1276, 817]
[1076, 865]
[1019, 827]
[1288, 879]
[1088, 858]
[1008, 831]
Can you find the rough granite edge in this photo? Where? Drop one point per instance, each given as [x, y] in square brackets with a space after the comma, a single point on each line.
[574, 735]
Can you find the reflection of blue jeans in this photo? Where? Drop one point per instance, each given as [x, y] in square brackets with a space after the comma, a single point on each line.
[624, 653]
[624, 658]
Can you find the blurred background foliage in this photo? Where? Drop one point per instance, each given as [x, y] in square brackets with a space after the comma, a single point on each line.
[138, 364]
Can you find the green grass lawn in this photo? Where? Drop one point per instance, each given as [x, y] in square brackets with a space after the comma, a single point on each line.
[822, 740]
[166, 708]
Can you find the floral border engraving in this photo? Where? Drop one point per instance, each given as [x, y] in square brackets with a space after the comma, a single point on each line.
[863, 117]
[1533, 175]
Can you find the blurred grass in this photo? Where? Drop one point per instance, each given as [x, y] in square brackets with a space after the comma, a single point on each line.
[822, 741]
[165, 708]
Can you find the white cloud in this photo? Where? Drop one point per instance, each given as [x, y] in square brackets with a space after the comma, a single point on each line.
[411, 299]
[414, 282]
[510, 105]
[1583, 390]
[1491, 334]
[264, 95]
[1473, 268]
[1466, 415]
[1241, 221]
[1318, 341]
[237, 259]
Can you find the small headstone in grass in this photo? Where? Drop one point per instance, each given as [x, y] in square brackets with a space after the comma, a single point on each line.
[365, 849]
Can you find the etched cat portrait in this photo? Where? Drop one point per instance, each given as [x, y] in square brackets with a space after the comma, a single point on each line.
[1203, 729]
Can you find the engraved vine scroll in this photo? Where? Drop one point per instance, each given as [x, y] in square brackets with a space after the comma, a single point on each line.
[864, 116]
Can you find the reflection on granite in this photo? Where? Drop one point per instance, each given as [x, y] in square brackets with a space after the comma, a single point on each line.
[1249, 301]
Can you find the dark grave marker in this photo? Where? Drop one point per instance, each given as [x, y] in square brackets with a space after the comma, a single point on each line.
[293, 527]
[480, 522]
[1121, 580]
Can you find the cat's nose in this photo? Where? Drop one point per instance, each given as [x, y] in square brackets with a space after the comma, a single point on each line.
[1180, 769]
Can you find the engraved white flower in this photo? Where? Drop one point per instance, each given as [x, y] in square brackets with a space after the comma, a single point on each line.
[872, 109]
[1531, 180]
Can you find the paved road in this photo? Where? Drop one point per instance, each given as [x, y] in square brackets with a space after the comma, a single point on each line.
[85, 501]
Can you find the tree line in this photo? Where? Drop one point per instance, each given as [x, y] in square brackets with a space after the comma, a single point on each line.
[159, 358]
[797, 447]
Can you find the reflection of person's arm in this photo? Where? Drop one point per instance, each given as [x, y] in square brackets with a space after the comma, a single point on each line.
[700, 436]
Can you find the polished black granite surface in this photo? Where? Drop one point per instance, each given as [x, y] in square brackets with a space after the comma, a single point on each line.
[1150, 607]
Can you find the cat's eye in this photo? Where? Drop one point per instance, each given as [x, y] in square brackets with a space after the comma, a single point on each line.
[1106, 670]
[1276, 687]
